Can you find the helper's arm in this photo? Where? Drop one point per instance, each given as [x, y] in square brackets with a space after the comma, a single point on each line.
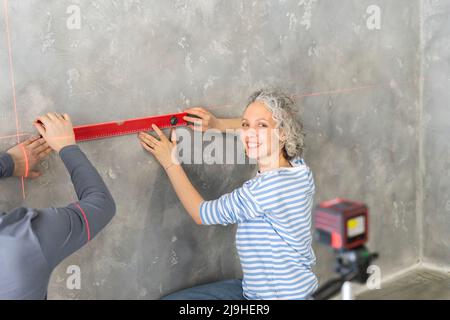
[62, 231]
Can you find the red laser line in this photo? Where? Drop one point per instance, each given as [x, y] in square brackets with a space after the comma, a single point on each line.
[11, 68]
[23, 187]
[320, 93]
[313, 94]
[87, 222]
[26, 159]
[15, 135]
[338, 91]
[11, 71]
[26, 169]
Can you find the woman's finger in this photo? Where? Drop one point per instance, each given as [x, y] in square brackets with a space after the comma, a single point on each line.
[146, 147]
[193, 120]
[45, 153]
[147, 142]
[198, 114]
[67, 117]
[197, 110]
[147, 135]
[30, 141]
[40, 128]
[150, 139]
[40, 148]
[38, 142]
[173, 136]
[161, 134]
[52, 116]
[44, 120]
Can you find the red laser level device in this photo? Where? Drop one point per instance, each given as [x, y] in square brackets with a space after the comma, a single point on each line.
[341, 223]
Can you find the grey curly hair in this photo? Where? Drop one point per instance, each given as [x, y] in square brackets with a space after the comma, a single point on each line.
[283, 110]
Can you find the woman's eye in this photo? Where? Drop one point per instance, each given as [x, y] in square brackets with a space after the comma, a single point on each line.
[263, 125]
[244, 125]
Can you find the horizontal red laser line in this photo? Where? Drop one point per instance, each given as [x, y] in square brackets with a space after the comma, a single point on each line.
[15, 135]
[320, 93]
[338, 91]
[313, 94]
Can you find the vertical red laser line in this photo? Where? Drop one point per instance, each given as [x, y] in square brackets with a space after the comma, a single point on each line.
[26, 159]
[13, 82]
[26, 168]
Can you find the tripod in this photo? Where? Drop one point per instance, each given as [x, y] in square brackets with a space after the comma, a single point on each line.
[351, 265]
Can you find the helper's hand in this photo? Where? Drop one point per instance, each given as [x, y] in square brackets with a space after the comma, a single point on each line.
[163, 149]
[207, 120]
[56, 129]
[27, 155]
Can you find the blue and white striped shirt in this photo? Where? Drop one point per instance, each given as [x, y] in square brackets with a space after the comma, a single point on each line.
[274, 238]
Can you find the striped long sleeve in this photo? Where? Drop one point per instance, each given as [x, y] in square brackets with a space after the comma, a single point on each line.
[274, 237]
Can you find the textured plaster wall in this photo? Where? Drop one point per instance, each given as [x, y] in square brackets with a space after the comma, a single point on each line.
[360, 102]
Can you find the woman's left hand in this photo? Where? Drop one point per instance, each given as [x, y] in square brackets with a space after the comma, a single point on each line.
[163, 149]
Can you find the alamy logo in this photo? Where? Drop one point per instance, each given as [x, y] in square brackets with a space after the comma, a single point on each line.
[373, 22]
[74, 280]
[374, 280]
[74, 20]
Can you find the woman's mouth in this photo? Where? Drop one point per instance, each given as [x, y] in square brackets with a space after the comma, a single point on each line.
[253, 145]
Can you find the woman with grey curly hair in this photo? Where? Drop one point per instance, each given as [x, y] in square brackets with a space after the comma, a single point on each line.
[272, 210]
[283, 112]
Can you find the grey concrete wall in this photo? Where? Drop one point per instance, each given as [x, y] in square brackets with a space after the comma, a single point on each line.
[137, 58]
[436, 142]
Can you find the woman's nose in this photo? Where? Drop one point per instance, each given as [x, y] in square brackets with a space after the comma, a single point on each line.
[251, 132]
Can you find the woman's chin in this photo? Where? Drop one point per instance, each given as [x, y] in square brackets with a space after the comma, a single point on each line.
[255, 154]
[252, 155]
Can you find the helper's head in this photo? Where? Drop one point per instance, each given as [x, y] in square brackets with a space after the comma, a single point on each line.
[269, 128]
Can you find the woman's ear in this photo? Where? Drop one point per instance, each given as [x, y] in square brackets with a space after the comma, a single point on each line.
[283, 138]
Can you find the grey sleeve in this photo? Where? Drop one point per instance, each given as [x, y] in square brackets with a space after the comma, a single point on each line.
[6, 165]
[62, 231]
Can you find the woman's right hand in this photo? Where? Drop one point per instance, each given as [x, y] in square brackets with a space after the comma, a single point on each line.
[56, 129]
[206, 120]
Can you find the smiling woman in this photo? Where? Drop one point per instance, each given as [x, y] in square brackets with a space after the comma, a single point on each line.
[282, 109]
[269, 125]
[273, 210]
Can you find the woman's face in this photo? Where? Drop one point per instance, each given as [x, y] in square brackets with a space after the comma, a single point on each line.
[259, 133]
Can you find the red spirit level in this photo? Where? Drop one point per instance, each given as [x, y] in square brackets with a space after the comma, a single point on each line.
[341, 224]
[117, 128]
